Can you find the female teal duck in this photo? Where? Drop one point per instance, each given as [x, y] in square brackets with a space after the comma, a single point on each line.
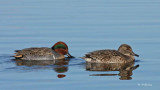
[123, 55]
[57, 51]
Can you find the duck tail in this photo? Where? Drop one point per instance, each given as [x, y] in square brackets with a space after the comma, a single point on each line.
[18, 56]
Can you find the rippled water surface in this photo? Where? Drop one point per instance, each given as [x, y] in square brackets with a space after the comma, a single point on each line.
[85, 25]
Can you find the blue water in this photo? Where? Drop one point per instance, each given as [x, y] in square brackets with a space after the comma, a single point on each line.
[85, 25]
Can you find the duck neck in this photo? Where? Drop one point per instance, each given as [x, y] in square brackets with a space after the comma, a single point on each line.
[130, 58]
[57, 55]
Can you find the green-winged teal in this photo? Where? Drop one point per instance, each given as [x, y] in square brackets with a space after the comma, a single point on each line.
[57, 51]
[123, 55]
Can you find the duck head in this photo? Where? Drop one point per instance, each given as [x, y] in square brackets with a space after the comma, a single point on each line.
[127, 50]
[61, 48]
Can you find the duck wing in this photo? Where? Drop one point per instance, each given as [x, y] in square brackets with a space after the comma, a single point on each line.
[105, 56]
[33, 52]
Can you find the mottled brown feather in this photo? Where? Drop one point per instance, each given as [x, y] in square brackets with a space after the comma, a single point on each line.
[107, 56]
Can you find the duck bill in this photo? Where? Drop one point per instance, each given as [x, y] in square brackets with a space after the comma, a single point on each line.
[69, 55]
[135, 54]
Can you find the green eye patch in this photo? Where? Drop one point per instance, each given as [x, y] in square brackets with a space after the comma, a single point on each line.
[60, 46]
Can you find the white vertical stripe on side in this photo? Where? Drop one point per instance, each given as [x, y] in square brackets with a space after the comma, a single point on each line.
[54, 57]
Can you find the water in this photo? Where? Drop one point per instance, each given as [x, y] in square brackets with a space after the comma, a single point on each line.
[85, 25]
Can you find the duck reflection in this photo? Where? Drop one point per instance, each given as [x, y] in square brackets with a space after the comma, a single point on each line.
[125, 70]
[59, 66]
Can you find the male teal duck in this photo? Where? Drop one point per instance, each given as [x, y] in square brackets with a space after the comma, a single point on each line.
[57, 51]
[124, 54]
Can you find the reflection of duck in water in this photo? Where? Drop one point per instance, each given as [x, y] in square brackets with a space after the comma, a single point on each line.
[123, 55]
[121, 60]
[57, 51]
[59, 66]
[124, 69]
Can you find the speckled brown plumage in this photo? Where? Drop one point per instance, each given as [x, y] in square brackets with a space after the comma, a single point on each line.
[111, 56]
[107, 56]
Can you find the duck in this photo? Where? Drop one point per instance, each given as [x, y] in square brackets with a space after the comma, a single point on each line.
[57, 51]
[124, 54]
